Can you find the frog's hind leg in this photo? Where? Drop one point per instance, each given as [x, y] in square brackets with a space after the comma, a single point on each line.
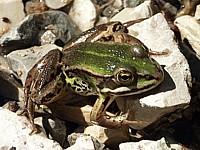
[30, 108]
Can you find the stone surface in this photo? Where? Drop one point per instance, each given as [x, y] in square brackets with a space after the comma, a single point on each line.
[144, 10]
[149, 145]
[108, 136]
[14, 132]
[23, 60]
[9, 80]
[197, 13]
[32, 7]
[56, 4]
[108, 8]
[84, 142]
[128, 3]
[34, 26]
[190, 30]
[14, 16]
[83, 13]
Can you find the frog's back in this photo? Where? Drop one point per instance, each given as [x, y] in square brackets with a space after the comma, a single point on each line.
[99, 57]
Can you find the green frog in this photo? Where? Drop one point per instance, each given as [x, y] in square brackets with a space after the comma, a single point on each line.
[105, 62]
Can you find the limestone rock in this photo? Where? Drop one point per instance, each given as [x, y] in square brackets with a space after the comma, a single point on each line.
[32, 7]
[84, 142]
[56, 4]
[14, 132]
[148, 144]
[9, 80]
[197, 13]
[143, 10]
[108, 136]
[190, 30]
[83, 13]
[29, 31]
[9, 15]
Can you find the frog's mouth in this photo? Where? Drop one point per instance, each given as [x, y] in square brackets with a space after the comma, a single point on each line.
[132, 90]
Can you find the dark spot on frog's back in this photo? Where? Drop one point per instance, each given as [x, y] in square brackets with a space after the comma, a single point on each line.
[78, 89]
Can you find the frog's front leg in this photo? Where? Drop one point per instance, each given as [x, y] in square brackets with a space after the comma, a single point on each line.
[41, 83]
[99, 116]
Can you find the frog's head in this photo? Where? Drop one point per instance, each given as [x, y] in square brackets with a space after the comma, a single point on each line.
[119, 69]
[134, 73]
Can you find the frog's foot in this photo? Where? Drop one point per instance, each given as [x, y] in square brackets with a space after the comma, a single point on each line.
[111, 121]
[22, 112]
[35, 129]
[118, 121]
[100, 116]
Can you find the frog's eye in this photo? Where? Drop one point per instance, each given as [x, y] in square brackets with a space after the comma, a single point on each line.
[119, 27]
[140, 51]
[124, 77]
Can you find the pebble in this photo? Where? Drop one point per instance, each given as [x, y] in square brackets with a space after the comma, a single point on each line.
[143, 10]
[190, 30]
[14, 133]
[22, 35]
[33, 7]
[9, 15]
[83, 14]
[197, 13]
[160, 144]
[108, 136]
[84, 142]
[57, 4]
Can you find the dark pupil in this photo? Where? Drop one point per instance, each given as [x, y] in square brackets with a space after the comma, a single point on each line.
[116, 28]
[125, 77]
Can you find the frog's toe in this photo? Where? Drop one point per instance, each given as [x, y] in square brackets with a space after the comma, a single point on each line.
[22, 112]
[35, 129]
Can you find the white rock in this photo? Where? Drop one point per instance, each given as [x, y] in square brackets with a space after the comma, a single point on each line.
[157, 36]
[83, 13]
[14, 132]
[23, 60]
[83, 142]
[13, 10]
[56, 4]
[149, 145]
[108, 136]
[197, 13]
[127, 14]
[190, 30]
[6, 79]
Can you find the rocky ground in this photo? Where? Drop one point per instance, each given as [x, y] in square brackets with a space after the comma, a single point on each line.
[170, 112]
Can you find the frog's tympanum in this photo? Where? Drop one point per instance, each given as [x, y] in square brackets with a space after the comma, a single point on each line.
[105, 62]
